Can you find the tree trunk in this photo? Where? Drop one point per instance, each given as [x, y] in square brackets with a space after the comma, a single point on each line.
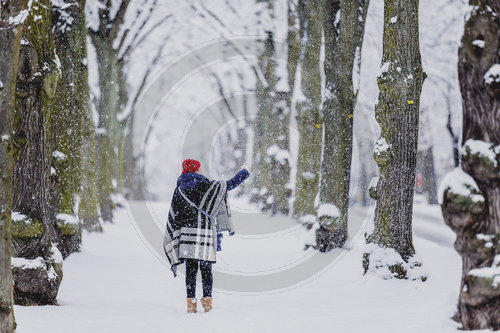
[309, 116]
[77, 133]
[271, 137]
[475, 217]
[397, 112]
[264, 133]
[425, 167]
[293, 43]
[112, 100]
[129, 168]
[38, 75]
[343, 40]
[88, 208]
[108, 107]
[10, 39]
[278, 154]
[72, 110]
[275, 147]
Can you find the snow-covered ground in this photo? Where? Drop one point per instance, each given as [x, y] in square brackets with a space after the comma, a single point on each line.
[115, 284]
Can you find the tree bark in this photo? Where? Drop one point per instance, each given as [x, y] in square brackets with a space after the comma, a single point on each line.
[309, 115]
[278, 155]
[71, 122]
[397, 112]
[10, 41]
[475, 218]
[343, 26]
[271, 155]
[38, 76]
[266, 87]
[110, 134]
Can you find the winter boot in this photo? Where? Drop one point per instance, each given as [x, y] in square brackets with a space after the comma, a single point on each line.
[191, 305]
[207, 303]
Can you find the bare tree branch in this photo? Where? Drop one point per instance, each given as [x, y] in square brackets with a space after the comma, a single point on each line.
[133, 45]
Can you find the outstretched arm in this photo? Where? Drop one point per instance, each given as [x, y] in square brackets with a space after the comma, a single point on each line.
[238, 178]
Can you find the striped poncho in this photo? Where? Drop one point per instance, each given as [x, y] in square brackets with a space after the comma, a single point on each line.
[196, 215]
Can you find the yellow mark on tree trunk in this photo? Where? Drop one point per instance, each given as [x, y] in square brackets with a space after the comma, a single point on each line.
[317, 125]
[410, 102]
[350, 115]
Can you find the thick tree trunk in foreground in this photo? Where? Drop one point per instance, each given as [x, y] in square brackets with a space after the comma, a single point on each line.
[37, 264]
[397, 112]
[10, 39]
[343, 40]
[471, 200]
[309, 115]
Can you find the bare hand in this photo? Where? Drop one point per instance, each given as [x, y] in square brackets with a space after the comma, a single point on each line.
[245, 166]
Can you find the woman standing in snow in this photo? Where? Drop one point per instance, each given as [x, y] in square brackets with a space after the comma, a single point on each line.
[199, 212]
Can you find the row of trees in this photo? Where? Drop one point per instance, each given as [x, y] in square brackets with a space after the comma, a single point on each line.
[325, 119]
[64, 151]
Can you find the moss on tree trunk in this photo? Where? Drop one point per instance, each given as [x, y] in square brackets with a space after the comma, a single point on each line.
[309, 115]
[397, 112]
[271, 139]
[266, 88]
[10, 39]
[72, 122]
[343, 40]
[477, 222]
[110, 134]
[38, 76]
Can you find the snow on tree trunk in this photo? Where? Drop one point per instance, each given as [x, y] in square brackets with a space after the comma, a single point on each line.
[397, 111]
[278, 155]
[75, 130]
[71, 122]
[293, 43]
[266, 84]
[10, 41]
[343, 24]
[309, 116]
[471, 198]
[271, 155]
[37, 264]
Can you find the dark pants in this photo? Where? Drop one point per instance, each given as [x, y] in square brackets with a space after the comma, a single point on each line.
[206, 277]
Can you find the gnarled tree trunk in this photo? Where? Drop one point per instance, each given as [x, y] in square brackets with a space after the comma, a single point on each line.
[10, 41]
[38, 76]
[475, 216]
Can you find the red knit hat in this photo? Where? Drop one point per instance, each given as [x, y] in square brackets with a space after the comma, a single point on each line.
[190, 165]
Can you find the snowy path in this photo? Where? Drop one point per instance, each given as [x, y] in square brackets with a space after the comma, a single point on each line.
[117, 285]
